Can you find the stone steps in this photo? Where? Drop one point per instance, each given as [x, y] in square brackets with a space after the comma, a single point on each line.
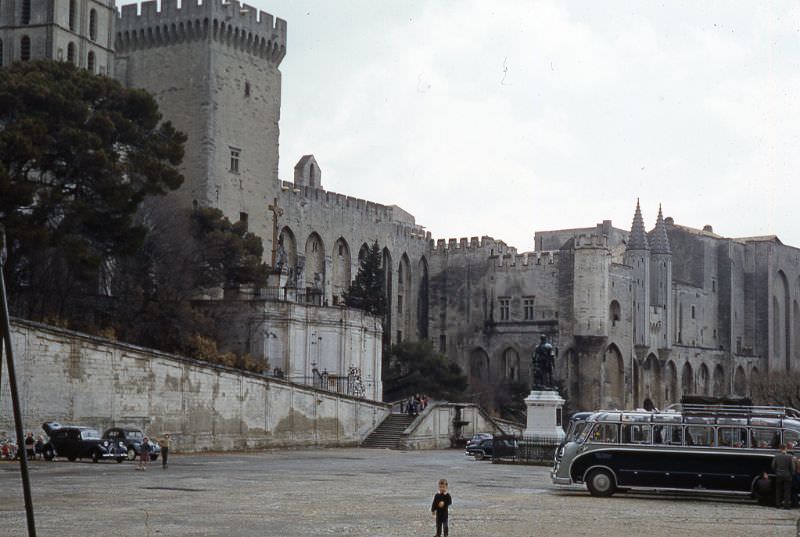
[387, 434]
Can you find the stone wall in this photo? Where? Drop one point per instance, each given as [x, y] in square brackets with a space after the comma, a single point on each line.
[77, 379]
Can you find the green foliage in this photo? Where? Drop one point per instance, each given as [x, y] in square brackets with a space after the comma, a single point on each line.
[368, 292]
[78, 155]
[413, 367]
[227, 253]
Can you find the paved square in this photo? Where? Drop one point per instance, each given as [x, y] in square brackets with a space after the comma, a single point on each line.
[351, 492]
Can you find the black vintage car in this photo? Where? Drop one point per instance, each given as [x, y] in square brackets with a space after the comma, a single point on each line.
[131, 438]
[75, 442]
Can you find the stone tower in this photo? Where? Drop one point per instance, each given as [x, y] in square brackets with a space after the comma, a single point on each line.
[661, 282]
[590, 296]
[222, 87]
[637, 256]
[78, 31]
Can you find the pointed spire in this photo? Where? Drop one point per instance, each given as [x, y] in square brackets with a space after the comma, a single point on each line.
[638, 237]
[659, 238]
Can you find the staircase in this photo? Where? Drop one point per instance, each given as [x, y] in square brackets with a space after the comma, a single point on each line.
[387, 434]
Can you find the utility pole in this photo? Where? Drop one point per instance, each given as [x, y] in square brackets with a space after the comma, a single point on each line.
[5, 335]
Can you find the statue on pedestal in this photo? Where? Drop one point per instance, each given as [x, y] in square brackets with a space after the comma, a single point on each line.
[542, 365]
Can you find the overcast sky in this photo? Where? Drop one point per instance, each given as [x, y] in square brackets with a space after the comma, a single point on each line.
[505, 117]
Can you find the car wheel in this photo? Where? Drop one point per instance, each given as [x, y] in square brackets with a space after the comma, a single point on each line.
[601, 482]
[95, 456]
[71, 458]
[131, 454]
[479, 455]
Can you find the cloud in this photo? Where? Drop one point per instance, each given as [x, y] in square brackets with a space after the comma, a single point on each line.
[505, 118]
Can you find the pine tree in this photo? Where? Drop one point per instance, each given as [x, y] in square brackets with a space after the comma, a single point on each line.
[367, 292]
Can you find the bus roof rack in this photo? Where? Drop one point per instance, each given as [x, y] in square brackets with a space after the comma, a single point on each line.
[731, 411]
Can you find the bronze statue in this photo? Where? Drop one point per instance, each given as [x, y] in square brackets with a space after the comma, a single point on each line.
[542, 365]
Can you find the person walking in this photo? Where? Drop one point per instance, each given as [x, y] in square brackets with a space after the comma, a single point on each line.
[783, 466]
[144, 454]
[29, 450]
[441, 501]
[165, 445]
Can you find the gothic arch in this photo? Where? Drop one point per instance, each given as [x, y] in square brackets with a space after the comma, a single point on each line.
[511, 364]
[687, 379]
[739, 382]
[703, 384]
[651, 379]
[719, 381]
[314, 271]
[671, 385]
[612, 379]
[422, 299]
[781, 327]
[479, 374]
[287, 255]
[796, 333]
[340, 279]
[614, 313]
[388, 283]
[404, 295]
[362, 252]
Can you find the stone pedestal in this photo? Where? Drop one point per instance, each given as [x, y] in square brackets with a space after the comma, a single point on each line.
[544, 415]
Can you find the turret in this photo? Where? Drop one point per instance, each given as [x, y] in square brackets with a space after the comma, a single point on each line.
[637, 256]
[590, 296]
[661, 279]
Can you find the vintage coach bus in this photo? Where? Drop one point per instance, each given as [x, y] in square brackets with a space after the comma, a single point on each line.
[687, 447]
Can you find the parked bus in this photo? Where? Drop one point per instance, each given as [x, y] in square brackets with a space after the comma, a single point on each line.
[686, 447]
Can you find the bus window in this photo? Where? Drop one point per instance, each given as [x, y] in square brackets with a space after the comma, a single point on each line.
[732, 437]
[699, 436]
[791, 438]
[635, 434]
[668, 435]
[575, 431]
[765, 438]
[605, 433]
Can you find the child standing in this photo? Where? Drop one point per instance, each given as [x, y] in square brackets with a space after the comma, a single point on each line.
[441, 501]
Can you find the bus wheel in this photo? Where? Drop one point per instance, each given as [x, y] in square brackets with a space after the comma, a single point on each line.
[600, 482]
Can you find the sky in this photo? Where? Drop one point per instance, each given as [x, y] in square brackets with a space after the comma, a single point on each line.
[505, 117]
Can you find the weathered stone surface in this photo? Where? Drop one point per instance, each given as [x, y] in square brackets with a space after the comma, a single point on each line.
[81, 380]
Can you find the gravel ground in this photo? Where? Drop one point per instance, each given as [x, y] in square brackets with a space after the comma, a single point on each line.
[352, 492]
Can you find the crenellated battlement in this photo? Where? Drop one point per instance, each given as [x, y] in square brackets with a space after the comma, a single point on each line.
[528, 260]
[375, 211]
[239, 26]
[591, 241]
[485, 245]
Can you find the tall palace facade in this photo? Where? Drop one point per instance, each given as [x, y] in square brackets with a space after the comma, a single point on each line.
[634, 314]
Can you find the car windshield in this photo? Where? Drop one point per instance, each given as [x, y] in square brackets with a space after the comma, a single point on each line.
[90, 434]
[134, 435]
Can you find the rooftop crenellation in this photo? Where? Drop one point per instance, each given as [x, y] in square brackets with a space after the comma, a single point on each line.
[239, 25]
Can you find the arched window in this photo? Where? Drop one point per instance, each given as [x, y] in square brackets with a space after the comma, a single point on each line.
[614, 313]
[26, 12]
[71, 53]
[90, 62]
[72, 14]
[93, 25]
[25, 48]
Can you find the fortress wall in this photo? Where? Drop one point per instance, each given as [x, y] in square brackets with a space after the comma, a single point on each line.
[78, 379]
